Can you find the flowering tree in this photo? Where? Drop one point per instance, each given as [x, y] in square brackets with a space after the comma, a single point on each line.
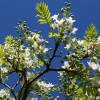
[30, 57]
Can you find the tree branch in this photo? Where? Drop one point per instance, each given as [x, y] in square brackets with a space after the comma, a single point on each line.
[10, 89]
[29, 84]
[64, 70]
[41, 74]
[24, 85]
[53, 55]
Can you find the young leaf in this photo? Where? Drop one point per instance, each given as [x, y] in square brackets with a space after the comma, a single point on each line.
[91, 32]
[43, 13]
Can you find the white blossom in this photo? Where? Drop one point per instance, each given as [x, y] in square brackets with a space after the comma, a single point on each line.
[28, 60]
[4, 69]
[68, 46]
[55, 17]
[98, 41]
[74, 30]
[80, 42]
[60, 22]
[74, 39]
[4, 93]
[45, 50]
[38, 44]
[66, 65]
[44, 86]
[99, 89]
[70, 20]
[57, 21]
[29, 74]
[27, 52]
[34, 98]
[94, 66]
[29, 38]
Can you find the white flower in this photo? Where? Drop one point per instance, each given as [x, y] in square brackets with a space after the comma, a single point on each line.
[27, 49]
[54, 25]
[60, 22]
[98, 38]
[29, 74]
[35, 45]
[29, 38]
[57, 98]
[98, 41]
[55, 17]
[28, 60]
[74, 39]
[60, 73]
[3, 93]
[97, 97]
[74, 30]
[44, 86]
[80, 42]
[57, 22]
[70, 20]
[45, 50]
[66, 65]
[68, 46]
[27, 53]
[4, 70]
[94, 66]
[99, 89]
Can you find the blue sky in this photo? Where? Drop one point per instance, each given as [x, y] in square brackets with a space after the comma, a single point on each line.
[11, 11]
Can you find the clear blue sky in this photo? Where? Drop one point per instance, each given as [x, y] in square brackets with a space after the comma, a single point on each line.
[11, 11]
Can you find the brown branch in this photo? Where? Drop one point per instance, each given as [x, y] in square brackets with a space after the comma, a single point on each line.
[41, 74]
[24, 85]
[29, 84]
[53, 55]
[64, 70]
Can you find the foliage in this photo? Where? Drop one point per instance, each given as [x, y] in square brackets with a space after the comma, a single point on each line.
[43, 13]
[30, 58]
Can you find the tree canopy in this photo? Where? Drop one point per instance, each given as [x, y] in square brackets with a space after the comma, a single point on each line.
[30, 57]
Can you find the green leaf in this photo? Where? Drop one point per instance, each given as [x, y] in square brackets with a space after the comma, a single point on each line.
[43, 13]
[91, 32]
[53, 35]
[66, 12]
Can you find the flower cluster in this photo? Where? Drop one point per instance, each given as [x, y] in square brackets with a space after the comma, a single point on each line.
[37, 43]
[31, 60]
[94, 66]
[68, 22]
[65, 66]
[28, 60]
[3, 69]
[4, 93]
[10, 47]
[98, 41]
[44, 86]
[74, 43]
[30, 74]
